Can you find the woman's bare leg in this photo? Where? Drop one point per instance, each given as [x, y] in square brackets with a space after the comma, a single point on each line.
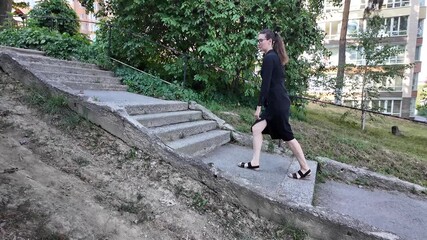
[257, 141]
[299, 154]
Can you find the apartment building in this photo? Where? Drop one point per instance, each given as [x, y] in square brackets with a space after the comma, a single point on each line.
[404, 28]
[88, 21]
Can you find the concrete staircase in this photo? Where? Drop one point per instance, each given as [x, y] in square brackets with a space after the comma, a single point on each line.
[179, 127]
[72, 74]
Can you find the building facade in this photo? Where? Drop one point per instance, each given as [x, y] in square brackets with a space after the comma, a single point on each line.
[404, 28]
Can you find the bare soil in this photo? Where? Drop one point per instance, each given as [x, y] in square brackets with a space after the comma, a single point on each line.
[60, 180]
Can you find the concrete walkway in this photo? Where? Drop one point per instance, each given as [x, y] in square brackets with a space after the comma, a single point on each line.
[396, 212]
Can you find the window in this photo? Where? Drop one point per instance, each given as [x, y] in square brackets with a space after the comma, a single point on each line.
[420, 28]
[390, 106]
[353, 27]
[415, 82]
[397, 3]
[396, 26]
[396, 107]
[394, 84]
[332, 29]
[355, 56]
[418, 53]
[399, 58]
[357, 4]
[329, 7]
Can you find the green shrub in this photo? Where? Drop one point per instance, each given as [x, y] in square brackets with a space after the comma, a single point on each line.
[149, 85]
[53, 43]
[55, 15]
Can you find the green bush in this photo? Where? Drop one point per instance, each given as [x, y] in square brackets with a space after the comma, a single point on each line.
[53, 43]
[422, 110]
[149, 85]
[56, 15]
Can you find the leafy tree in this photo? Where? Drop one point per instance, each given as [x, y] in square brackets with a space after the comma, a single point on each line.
[368, 79]
[215, 41]
[55, 14]
[371, 6]
[422, 103]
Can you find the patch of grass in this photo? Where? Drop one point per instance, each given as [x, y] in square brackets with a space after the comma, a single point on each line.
[70, 120]
[128, 207]
[288, 231]
[81, 161]
[42, 232]
[362, 182]
[131, 154]
[51, 104]
[241, 118]
[199, 202]
[323, 175]
[57, 106]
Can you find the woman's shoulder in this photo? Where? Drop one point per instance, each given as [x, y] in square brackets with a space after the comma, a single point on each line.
[271, 55]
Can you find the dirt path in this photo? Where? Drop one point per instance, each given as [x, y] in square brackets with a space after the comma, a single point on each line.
[59, 180]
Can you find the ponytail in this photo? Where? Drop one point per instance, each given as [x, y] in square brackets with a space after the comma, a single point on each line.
[278, 45]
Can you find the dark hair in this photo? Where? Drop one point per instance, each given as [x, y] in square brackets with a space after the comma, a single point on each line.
[278, 44]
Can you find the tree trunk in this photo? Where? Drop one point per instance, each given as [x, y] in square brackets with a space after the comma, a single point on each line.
[363, 100]
[5, 9]
[341, 55]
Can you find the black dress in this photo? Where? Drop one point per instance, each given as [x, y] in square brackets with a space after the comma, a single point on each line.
[274, 98]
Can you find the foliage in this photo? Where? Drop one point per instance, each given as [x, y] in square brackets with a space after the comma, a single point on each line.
[55, 14]
[368, 79]
[422, 106]
[53, 43]
[215, 40]
[149, 85]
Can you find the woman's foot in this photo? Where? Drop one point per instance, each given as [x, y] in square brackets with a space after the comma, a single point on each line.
[247, 165]
[300, 174]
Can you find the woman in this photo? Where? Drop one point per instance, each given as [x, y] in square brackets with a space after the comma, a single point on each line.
[274, 120]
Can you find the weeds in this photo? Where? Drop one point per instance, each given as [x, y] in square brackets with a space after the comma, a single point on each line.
[52, 104]
[55, 105]
[362, 182]
[81, 161]
[132, 154]
[199, 202]
[287, 231]
[128, 207]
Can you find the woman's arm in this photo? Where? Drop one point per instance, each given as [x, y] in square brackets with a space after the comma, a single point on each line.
[266, 74]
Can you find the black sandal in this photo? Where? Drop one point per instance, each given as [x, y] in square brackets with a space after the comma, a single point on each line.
[247, 165]
[300, 175]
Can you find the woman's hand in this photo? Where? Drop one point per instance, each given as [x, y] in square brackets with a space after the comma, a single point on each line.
[257, 112]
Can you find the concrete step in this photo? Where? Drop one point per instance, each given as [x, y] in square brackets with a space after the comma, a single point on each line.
[271, 179]
[182, 130]
[65, 69]
[166, 118]
[92, 86]
[200, 144]
[78, 78]
[32, 58]
[22, 50]
[171, 106]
